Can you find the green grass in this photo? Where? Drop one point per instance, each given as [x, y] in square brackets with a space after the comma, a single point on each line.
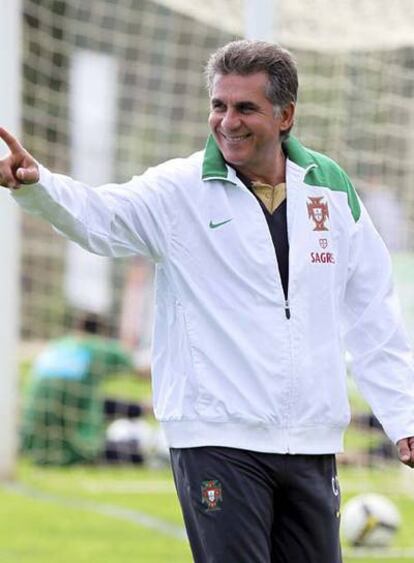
[93, 514]
[58, 514]
[39, 532]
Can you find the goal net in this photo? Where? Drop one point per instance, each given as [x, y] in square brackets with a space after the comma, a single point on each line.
[110, 88]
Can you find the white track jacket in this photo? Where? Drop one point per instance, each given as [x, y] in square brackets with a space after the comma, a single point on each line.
[229, 367]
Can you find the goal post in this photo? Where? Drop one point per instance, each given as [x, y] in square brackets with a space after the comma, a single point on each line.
[260, 19]
[10, 59]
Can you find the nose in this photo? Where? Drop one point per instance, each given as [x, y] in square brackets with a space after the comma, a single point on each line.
[230, 120]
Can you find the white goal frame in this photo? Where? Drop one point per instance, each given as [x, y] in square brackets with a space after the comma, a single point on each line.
[259, 19]
[10, 110]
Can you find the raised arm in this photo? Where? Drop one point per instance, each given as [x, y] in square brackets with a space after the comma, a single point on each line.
[18, 167]
[111, 220]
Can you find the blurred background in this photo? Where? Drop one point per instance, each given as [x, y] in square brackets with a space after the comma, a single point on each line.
[105, 89]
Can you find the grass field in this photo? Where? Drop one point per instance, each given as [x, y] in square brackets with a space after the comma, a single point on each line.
[103, 514]
[95, 514]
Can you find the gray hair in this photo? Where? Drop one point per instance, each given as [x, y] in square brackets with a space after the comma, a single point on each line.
[246, 57]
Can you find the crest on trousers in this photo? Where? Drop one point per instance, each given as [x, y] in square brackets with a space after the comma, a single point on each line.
[318, 211]
[211, 494]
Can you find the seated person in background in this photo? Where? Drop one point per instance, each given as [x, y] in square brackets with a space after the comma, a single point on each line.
[63, 418]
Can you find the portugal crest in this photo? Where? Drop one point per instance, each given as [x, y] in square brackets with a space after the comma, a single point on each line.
[211, 494]
[318, 211]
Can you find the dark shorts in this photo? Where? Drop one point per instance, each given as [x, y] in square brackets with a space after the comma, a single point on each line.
[247, 507]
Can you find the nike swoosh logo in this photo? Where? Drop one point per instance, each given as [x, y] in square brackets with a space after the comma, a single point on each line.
[215, 225]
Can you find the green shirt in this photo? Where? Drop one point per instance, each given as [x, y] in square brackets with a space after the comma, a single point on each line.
[63, 418]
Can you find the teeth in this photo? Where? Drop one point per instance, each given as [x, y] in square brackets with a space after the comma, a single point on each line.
[235, 138]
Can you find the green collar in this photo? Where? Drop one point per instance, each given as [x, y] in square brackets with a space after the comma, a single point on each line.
[319, 170]
[297, 153]
[215, 167]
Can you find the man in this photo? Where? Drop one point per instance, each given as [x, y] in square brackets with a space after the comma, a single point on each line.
[266, 264]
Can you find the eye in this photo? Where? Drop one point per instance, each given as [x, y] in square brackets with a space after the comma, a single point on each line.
[246, 108]
[218, 106]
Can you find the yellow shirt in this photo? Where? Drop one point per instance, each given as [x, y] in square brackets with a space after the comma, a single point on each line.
[270, 196]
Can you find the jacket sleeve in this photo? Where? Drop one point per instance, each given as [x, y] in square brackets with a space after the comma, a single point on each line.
[381, 358]
[111, 220]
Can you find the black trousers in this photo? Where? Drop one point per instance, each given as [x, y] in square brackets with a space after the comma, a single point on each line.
[241, 506]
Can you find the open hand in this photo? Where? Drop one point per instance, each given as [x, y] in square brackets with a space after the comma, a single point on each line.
[18, 167]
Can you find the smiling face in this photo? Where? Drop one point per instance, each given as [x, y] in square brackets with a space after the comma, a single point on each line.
[246, 126]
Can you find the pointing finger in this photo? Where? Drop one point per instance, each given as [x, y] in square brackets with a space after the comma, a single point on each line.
[11, 141]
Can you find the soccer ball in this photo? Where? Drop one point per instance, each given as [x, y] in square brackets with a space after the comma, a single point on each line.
[370, 520]
[130, 437]
[138, 437]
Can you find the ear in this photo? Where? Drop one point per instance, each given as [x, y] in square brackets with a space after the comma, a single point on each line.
[287, 117]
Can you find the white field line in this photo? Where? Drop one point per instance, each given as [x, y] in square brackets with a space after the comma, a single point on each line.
[386, 553]
[133, 516]
[130, 487]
